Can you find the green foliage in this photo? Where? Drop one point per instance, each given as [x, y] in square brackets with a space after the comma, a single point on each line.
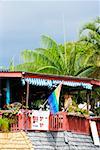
[80, 58]
[75, 110]
[36, 104]
[53, 59]
[97, 111]
[90, 34]
[4, 124]
[12, 115]
[14, 107]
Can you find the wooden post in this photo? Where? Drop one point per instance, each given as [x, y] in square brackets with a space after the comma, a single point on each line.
[27, 95]
[26, 112]
[8, 92]
[88, 99]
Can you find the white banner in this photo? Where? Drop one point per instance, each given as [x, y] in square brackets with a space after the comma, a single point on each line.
[40, 120]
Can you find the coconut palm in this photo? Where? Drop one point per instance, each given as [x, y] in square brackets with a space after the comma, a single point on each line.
[90, 33]
[91, 56]
[52, 58]
[80, 58]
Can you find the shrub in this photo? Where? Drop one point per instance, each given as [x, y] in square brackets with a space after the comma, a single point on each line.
[4, 124]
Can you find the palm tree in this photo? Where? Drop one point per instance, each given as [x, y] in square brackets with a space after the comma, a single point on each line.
[81, 58]
[90, 33]
[91, 56]
[52, 58]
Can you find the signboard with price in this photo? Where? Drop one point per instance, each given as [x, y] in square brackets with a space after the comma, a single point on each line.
[39, 120]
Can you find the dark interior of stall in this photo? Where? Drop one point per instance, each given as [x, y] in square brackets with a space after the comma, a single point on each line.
[37, 94]
[18, 91]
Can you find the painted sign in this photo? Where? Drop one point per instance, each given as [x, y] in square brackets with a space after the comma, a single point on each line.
[40, 120]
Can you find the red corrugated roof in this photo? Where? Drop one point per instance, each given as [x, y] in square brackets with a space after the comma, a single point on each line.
[49, 77]
[10, 74]
[65, 78]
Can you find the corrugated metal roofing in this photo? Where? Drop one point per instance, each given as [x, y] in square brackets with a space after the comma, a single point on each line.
[49, 77]
[61, 141]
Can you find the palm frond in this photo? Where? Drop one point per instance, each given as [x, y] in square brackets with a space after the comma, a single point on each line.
[97, 20]
[83, 71]
[88, 26]
[27, 55]
[48, 42]
[90, 71]
[48, 67]
[27, 67]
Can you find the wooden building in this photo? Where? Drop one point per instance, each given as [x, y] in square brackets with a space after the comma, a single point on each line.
[64, 131]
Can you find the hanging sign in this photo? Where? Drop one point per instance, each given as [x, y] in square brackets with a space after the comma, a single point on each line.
[40, 120]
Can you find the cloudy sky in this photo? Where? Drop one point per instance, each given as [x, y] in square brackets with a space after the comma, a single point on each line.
[22, 22]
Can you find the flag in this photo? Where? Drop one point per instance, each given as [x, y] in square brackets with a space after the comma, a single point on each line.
[53, 100]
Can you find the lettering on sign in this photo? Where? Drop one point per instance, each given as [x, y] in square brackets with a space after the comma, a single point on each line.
[40, 120]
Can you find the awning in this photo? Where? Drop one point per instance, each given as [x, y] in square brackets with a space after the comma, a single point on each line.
[53, 83]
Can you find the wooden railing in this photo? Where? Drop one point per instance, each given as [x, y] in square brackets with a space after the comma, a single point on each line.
[59, 122]
[62, 122]
[23, 122]
[78, 124]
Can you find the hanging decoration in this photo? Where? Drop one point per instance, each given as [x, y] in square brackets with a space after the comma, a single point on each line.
[54, 83]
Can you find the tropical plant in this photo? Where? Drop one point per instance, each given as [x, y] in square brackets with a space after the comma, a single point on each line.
[4, 124]
[53, 58]
[81, 58]
[90, 34]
